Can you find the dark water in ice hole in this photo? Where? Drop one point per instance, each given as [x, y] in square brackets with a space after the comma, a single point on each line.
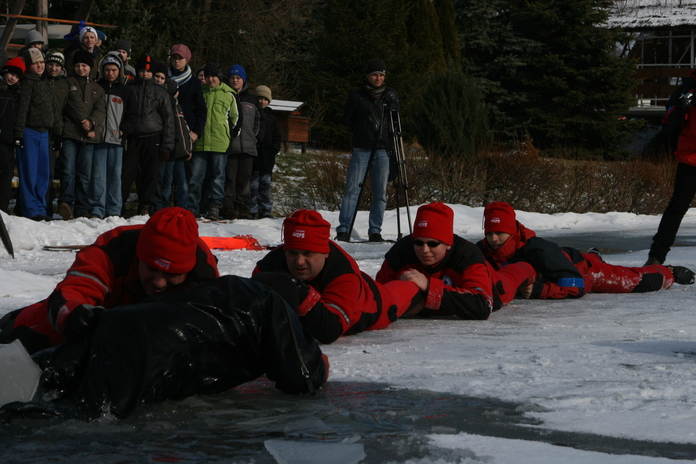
[233, 427]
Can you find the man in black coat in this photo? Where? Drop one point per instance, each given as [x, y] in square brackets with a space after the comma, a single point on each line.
[366, 116]
[206, 340]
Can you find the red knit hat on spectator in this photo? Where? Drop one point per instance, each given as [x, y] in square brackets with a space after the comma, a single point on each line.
[499, 217]
[306, 230]
[169, 241]
[14, 66]
[435, 220]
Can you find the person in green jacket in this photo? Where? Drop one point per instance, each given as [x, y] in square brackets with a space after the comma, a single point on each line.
[209, 159]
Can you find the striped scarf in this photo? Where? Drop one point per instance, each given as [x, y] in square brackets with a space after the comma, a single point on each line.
[182, 78]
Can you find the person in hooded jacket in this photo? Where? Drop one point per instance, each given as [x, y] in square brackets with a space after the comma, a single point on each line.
[207, 184]
[37, 116]
[243, 148]
[564, 272]
[83, 115]
[449, 270]
[151, 141]
[10, 74]
[121, 119]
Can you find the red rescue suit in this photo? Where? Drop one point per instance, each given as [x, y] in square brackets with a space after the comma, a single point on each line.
[568, 273]
[342, 299]
[103, 274]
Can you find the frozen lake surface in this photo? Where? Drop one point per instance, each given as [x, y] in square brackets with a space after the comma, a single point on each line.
[607, 378]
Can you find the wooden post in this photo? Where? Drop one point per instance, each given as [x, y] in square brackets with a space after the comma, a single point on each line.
[42, 12]
[11, 23]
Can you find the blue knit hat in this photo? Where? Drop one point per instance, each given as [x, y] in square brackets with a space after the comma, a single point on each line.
[236, 70]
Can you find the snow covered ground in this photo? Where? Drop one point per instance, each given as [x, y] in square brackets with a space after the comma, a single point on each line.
[618, 366]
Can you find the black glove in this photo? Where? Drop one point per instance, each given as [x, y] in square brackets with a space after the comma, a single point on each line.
[685, 101]
[302, 289]
[19, 143]
[57, 143]
[82, 319]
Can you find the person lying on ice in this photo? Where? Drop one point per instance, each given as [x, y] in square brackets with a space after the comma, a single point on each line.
[450, 271]
[336, 298]
[122, 266]
[202, 340]
[566, 272]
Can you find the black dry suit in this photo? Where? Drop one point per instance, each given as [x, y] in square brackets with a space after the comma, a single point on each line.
[206, 340]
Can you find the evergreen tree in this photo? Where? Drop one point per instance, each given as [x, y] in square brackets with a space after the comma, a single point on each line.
[451, 118]
[549, 69]
[448, 30]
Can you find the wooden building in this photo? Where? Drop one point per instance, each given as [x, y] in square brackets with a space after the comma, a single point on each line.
[664, 33]
[294, 126]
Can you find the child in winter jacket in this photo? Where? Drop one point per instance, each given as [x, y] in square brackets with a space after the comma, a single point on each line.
[121, 119]
[267, 148]
[84, 124]
[207, 183]
[152, 140]
[37, 114]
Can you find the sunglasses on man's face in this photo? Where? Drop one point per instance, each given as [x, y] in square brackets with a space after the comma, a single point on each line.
[432, 244]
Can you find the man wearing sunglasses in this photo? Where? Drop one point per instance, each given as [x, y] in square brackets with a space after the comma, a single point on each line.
[450, 271]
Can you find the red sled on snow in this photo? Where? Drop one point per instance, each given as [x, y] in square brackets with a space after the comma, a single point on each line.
[238, 242]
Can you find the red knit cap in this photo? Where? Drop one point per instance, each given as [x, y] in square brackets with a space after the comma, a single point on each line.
[169, 241]
[435, 220]
[306, 230]
[499, 217]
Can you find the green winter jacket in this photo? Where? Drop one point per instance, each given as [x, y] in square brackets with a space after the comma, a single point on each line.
[222, 117]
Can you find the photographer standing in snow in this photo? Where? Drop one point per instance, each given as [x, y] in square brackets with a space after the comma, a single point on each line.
[366, 116]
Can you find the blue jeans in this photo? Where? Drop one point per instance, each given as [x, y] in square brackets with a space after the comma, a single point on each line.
[379, 176]
[33, 169]
[83, 183]
[207, 184]
[66, 169]
[105, 188]
[172, 174]
[260, 189]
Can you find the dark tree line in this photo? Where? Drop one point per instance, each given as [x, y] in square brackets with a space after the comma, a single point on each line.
[543, 68]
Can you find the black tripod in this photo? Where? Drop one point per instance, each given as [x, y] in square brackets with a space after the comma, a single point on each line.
[399, 157]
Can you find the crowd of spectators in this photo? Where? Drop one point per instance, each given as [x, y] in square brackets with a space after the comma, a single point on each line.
[87, 117]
